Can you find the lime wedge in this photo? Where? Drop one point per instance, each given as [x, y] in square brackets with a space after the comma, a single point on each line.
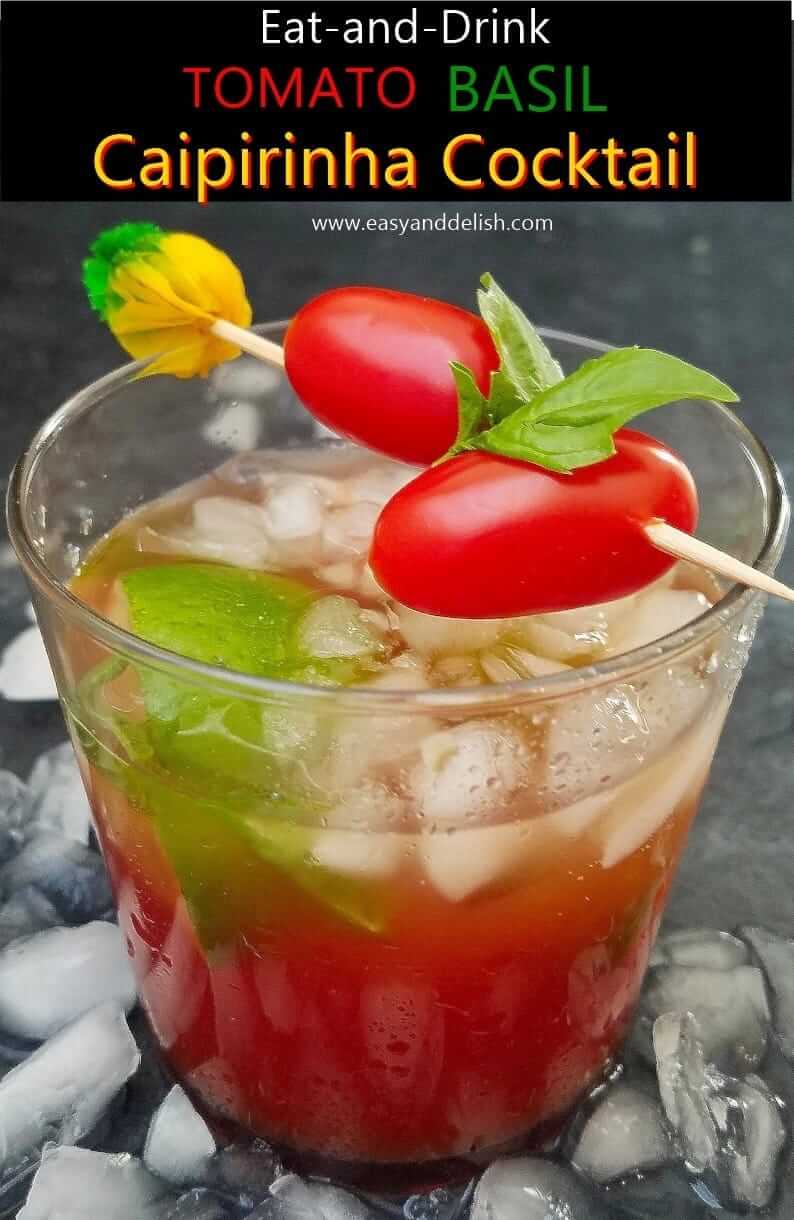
[222, 775]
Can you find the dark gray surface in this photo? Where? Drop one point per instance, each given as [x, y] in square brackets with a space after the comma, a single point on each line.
[713, 283]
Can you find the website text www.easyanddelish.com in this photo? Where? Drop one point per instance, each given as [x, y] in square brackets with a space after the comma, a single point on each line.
[451, 222]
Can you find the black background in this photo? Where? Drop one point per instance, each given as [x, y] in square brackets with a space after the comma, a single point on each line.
[72, 73]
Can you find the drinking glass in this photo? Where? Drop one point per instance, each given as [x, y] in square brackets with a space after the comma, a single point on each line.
[387, 964]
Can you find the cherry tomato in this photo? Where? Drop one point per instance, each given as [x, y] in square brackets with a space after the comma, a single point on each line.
[374, 366]
[482, 536]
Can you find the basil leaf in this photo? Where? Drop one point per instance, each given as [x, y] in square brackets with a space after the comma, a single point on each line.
[526, 361]
[472, 413]
[571, 424]
[503, 399]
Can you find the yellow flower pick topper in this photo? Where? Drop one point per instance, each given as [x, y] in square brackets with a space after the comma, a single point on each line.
[162, 294]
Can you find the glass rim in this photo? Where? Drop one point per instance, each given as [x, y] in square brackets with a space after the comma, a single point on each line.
[735, 601]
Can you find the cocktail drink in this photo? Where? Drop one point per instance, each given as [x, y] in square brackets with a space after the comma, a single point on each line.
[389, 881]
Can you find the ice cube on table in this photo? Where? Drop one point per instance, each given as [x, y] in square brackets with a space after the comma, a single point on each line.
[66, 872]
[26, 912]
[200, 1204]
[684, 1085]
[700, 947]
[179, 1144]
[63, 1089]
[25, 670]
[625, 1134]
[49, 979]
[58, 795]
[245, 1170]
[731, 1008]
[440, 1204]
[753, 1135]
[77, 1184]
[14, 814]
[731, 1127]
[776, 954]
[529, 1188]
[292, 1198]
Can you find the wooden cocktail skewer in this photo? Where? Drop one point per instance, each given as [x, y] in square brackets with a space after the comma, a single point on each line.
[255, 345]
[663, 536]
[684, 546]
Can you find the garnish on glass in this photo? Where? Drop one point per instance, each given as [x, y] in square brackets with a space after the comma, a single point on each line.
[540, 499]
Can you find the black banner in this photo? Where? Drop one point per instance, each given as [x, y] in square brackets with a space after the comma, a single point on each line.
[233, 99]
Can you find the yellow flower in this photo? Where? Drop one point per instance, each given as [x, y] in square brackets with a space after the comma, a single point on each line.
[160, 293]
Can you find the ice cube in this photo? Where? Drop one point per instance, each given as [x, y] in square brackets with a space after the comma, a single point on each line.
[700, 947]
[644, 803]
[461, 861]
[753, 1134]
[731, 1127]
[377, 745]
[62, 1090]
[380, 482]
[438, 1204]
[245, 1170]
[27, 911]
[294, 508]
[435, 636]
[58, 794]
[347, 531]
[730, 1006]
[49, 979]
[580, 817]
[776, 954]
[684, 1086]
[343, 575]
[657, 613]
[470, 771]
[235, 425]
[605, 738]
[14, 814]
[337, 627]
[200, 1204]
[245, 379]
[25, 670]
[222, 518]
[66, 872]
[625, 1134]
[296, 1199]
[506, 663]
[528, 1188]
[77, 1184]
[360, 853]
[248, 552]
[179, 1143]
[546, 637]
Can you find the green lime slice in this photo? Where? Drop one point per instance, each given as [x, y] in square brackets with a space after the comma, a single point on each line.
[223, 775]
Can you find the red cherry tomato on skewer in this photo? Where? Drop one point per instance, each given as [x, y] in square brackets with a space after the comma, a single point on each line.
[373, 365]
[483, 536]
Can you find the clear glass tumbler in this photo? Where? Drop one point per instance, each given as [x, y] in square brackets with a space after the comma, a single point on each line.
[386, 1000]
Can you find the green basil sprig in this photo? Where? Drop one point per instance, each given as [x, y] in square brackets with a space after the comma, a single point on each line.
[534, 414]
